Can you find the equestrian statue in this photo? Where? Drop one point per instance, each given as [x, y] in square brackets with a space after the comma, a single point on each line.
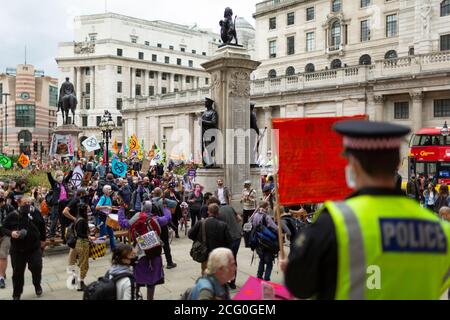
[67, 101]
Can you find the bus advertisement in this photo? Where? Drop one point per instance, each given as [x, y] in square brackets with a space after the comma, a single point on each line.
[430, 155]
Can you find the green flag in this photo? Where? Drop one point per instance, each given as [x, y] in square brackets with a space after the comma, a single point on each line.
[5, 162]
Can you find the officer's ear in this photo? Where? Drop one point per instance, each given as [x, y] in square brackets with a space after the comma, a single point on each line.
[355, 165]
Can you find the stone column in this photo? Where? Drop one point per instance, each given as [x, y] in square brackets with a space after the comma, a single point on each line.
[268, 124]
[158, 83]
[379, 106]
[171, 82]
[133, 83]
[301, 110]
[78, 86]
[197, 150]
[197, 82]
[339, 108]
[417, 107]
[230, 71]
[183, 82]
[145, 92]
[92, 96]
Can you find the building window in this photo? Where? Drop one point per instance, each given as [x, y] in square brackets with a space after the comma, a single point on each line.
[138, 90]
[52, 96]
[290, 71]
[272, 23]
[88, 88]
[336, 64]
[166, 59]
[27, 137]
[273, 49]
[445, 42]
[119, 121]
[119, 70]
[164, 76]
[191, 64]
[309, 41]
[183, 49]
[335, 35]
[119, 103]
[188, 79]
[445, 8]
[120, 52]
[84, 121]
[336, 5]
[87, 71]
[151, 91]
[310, 68]
[194, 51]
[176, 78]
[171, 47]
[365, 30]
[290, 45]
[179, 61]
[163, 90]
[365, 3]
[411, 51]
[147, 43]
[391, 25]
[87, 104]
[365, 60]
[138, 73]
[25, 116]
[119, 87]
[154, 57]
[99, 119]
[310, 14]
[291, 18]
[391, 54]
[272, 74]
[159, 45]
[207, 81]
[133, 39]
[141, 56]
[203, 53]
[401, 110]
[151, 74]
[442, 108]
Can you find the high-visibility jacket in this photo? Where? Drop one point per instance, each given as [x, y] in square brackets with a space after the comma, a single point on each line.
[389, 248]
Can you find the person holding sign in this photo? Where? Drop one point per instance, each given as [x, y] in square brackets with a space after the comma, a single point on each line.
[377, 244]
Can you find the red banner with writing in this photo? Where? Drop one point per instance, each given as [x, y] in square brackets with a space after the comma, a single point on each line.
[311, 168]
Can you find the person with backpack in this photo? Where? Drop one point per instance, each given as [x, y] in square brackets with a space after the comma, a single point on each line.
[104, 208]
[221, 269]
[148, 271]
[443, 200]
[266, 250]
[123, 259]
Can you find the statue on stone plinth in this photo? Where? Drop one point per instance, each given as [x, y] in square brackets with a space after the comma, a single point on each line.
[425, 13]
[210, 120]
[67, 101]
[228, 31]
[255, 135]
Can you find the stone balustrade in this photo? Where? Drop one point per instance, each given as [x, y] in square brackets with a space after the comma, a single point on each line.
[404, 66]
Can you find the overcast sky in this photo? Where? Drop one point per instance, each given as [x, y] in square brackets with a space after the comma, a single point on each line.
[41, 25]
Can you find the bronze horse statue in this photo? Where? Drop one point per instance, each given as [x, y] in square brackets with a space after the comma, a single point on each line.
[67, 101]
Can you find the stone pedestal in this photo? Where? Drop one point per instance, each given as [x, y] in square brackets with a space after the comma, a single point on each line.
[230, 71]
[72, 130]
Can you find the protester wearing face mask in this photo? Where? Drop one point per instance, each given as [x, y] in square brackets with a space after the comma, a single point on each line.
[27, 231]
[376, 226]
[104, 208]
[17, 193]
[123, 260]
[58, 202]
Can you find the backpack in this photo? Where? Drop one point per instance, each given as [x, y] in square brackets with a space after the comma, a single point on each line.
[263, 238]
[49, 198]
[71, 234]
[146, 232]
[192, 294]
[104, 288]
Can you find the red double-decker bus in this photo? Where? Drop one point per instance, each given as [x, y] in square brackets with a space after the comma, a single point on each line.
[430, 155]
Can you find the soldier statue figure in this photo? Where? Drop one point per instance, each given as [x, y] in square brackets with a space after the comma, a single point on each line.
[67, 101]
[209, 121]
[228, 31]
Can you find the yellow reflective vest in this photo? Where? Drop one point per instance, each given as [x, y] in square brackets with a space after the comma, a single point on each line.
[389, 248]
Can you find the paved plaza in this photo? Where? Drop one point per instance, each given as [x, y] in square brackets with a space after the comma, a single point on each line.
[177, 280]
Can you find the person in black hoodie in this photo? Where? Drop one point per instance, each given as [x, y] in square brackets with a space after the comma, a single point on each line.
[27, 231]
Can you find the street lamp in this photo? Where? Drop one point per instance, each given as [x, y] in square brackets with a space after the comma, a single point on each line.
[107, 125]
[6, 95]
[445, 132]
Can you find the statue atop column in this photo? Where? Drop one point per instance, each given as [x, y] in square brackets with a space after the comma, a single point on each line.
[67, 101]
[425, 13]
[228, 31]
[210, 120]
[255, 135]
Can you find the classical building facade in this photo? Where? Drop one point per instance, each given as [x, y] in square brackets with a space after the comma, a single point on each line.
[28, 113]
[389, 59]
[115, 57]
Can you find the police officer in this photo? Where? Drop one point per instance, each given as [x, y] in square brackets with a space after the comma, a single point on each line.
[377, 244]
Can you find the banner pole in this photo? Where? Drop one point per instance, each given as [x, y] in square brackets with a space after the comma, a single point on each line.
[278, 217]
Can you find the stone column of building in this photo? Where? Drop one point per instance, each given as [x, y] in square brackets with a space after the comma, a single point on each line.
[171, 82]
[158, 83]
[92, 95]
[417, 107]
[78, 86]
[339, 107]
[197, 153]
[379, 106]
[301, 110]
[268, 124]
[196, 83]
[145, 92]
[183, 82]
[133, 83]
